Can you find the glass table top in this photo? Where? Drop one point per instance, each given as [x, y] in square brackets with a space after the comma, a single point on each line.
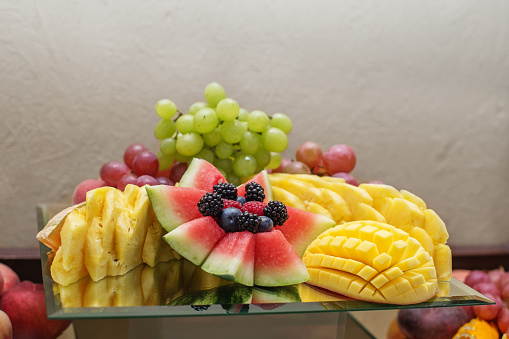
[178, 288]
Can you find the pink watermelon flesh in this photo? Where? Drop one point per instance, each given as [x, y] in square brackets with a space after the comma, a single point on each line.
[202, 175]
[276, 263]
[195, 239]
[303, 227]
[173, 205]
[261, 178]
[233, 258]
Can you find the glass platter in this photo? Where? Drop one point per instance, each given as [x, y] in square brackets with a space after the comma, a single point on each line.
[180, 289]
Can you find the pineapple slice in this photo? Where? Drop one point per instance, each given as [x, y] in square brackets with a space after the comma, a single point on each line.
[413, 199]
[403, 214]
[372, 261]
[435, 227]
[353, 195]
[443, 262]
[366, 212]
[379, 192]
[287, 198]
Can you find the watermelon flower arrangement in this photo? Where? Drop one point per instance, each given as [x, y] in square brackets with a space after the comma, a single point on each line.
[237, 233]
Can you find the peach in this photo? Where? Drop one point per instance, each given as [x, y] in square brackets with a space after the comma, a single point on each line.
[5, 326]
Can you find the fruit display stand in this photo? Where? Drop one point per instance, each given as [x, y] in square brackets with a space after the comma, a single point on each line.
[167, 301]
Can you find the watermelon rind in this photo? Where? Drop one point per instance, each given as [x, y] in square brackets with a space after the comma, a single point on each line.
[279, 294]
[195, 239]
[201, 174]
[205, 297]
[174, 206]
[232, 258]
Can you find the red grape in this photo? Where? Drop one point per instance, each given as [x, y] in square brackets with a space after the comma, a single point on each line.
[504, 291]
[146, 180]
[165, 181]
[128, 179]
[177, 171]
[349, 179]
[503, 320]
[339, 158]
[284, 162]
[378, 182]
[297, 167]
[496, 276]
[112, 171]
[475, 277]
[489, 312]
[487, 288]
[320, 169]
[309, 153]
[146, 163]
[131, 152]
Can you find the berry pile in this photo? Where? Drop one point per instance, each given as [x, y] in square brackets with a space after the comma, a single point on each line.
[235, 213]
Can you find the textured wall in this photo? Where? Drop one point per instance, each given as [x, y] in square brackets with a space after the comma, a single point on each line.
[419, 89]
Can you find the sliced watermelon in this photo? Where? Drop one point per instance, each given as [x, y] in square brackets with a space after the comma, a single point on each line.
[279, 294]
[202, 175]
[303, 227]
[233, 258]
[174, 206]
[263, 179]
[195, 239]
[276, 262]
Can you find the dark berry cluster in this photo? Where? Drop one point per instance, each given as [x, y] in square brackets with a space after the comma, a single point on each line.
[276, 211]
[226, 190]
[211, 204]
[254, 192]
[235, 213]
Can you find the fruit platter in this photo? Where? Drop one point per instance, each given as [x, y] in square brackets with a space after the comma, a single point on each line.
[218, 222]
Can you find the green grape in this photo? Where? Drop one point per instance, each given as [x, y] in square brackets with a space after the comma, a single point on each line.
[232, 131]
[274, 140]
[205, 154]
[212, 138]
[165, 129]
[244, 165]
[225, 164]
[168, 146]
[223, 150]
[166, 109]
[165, 161]
[189, 144]
[281, 121]
[250, 142]
[214, 93]
[262, 157]
[243, 114]
[185, 123]
[223, 173]
[258, 121]
[275, 160]
[227, 109]
[205, 120]
[182, 158]
[233, 179]
[244, 125]
[196, 107]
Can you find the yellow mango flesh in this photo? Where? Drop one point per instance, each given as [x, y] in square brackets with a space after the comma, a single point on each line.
[363, 260]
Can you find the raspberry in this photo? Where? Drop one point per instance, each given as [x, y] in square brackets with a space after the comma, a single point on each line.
[255, 207]
[231, 203]
[276, 210]
[254, 192]
[248, 222]
[210, 204]
[226, 190]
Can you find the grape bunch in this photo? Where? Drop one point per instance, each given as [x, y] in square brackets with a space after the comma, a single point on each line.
[238, 142]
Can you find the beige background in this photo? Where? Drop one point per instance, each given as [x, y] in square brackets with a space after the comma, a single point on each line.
[420, 89]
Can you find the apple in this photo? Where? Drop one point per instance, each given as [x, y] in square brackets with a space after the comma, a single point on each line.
[5, 326]
[80, 192]
[25, 305]
[9, 277]
[339, 158]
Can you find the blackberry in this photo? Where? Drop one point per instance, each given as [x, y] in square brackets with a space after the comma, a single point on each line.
[276, 210]
[254, 192]
[226, 190]
[210, 204]
[248, 222]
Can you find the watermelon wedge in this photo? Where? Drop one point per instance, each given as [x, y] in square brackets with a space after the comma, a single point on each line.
[303, 227]
[173, 205]
[261, 178]
[233, 258]
[276, 262]
[201, 175]
[195, 239]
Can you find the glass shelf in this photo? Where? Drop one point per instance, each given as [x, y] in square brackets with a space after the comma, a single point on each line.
[180, 289]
